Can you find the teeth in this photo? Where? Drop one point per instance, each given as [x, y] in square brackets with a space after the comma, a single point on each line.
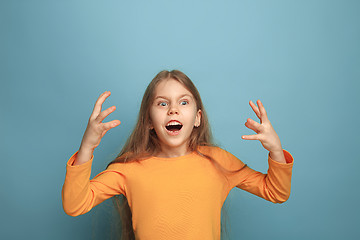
[173, 123]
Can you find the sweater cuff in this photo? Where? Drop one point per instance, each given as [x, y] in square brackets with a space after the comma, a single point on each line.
[288, 158]
[71, 161]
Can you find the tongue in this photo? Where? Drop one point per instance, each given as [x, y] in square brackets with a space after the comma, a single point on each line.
[174, 127]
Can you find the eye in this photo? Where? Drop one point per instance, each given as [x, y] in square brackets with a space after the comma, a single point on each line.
[184, 102]
[162, 104]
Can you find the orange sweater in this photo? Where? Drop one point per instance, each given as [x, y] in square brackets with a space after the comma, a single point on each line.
[174, 198]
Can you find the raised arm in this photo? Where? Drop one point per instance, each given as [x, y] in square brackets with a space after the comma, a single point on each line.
[79, 194]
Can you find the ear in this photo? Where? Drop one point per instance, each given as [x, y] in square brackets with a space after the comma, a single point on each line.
[150, 125]
[198, 118]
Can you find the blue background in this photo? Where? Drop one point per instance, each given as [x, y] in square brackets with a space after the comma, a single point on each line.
[301, 58]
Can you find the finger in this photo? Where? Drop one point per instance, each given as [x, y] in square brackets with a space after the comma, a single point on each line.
[105, 113]
[98, 104]
[256, 109]
[262, 111]
[251, 137]
[253, 125]
[111, 124]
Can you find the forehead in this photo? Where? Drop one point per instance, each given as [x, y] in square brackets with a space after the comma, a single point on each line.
[171, 88]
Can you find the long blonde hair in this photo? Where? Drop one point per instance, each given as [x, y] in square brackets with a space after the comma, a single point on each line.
[143, 142]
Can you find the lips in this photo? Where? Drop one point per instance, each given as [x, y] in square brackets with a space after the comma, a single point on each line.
[173, 126]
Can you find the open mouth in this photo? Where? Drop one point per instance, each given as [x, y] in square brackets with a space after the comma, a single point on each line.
[173, 126]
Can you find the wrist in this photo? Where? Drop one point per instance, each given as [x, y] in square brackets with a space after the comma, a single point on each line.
[86, 148]
[83, 156]
[276, 151]
[278, 156]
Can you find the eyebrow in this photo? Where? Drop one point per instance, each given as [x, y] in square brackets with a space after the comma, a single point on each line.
[179, 97]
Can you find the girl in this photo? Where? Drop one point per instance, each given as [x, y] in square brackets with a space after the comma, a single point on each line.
[174, 179]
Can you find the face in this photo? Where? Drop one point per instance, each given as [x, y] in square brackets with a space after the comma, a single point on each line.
[173, 105]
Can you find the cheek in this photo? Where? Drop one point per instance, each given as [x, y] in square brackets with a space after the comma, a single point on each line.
[154, 116]
[192, 115]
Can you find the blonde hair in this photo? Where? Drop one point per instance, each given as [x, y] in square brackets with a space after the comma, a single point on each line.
[143, 142]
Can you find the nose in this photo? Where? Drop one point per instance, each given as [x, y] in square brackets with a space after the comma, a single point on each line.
[173, 110]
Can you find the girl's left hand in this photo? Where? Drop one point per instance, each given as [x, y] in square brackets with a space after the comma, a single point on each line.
[265, 132]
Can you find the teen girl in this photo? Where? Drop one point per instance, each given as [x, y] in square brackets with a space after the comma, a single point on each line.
[174, 179]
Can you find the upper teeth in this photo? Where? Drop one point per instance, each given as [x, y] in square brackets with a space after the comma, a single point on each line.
[173, 123]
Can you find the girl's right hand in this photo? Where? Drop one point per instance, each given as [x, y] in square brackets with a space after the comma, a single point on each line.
[96, 129]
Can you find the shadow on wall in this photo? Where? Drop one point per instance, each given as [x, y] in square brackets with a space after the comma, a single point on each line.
[105, 222]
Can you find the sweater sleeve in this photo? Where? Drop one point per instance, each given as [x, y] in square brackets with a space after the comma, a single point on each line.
[80, 194]
[273, 186]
